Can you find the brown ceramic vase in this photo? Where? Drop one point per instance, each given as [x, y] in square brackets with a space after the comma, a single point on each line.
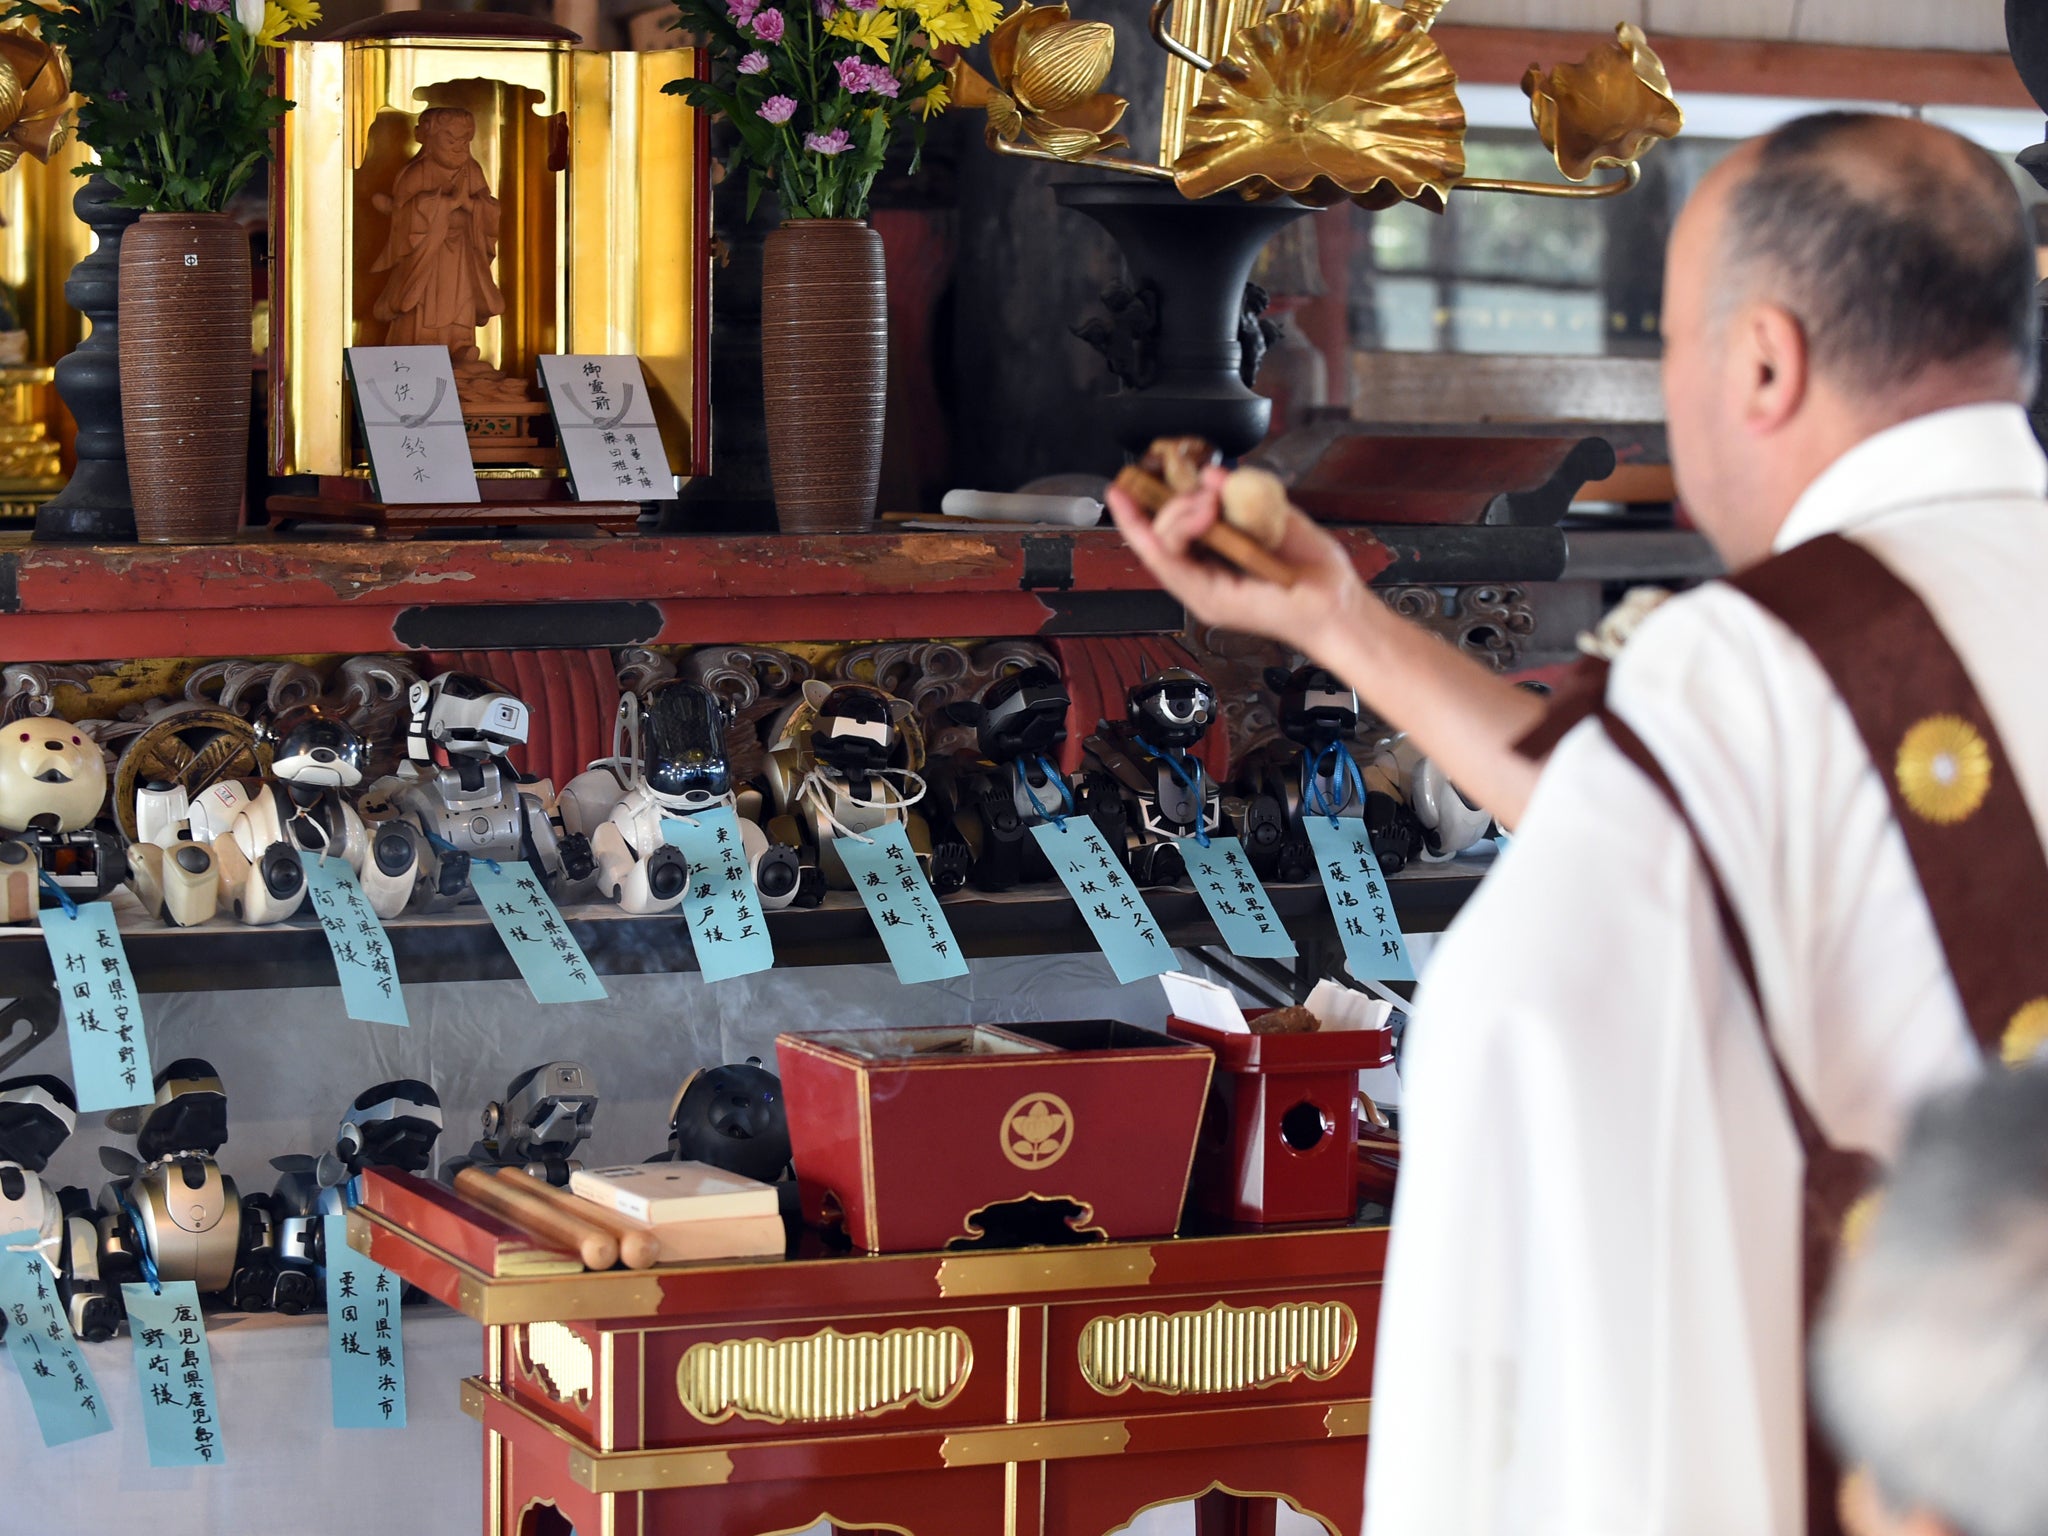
[185, 360]
[824, 372]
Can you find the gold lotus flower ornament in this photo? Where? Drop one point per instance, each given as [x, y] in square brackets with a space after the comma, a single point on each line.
[35, 93]
[1049, 71]
[1606, 110]
[1328, 100]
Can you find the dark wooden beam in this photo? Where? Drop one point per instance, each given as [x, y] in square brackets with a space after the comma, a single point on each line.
[1826, 71]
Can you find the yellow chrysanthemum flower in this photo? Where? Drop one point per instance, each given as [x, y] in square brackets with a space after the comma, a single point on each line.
[866, 29]
[282, 16]
[955, 25]
[938, 98]
[983, 14]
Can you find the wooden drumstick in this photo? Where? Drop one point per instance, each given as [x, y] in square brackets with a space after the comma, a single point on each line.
[596, 1247]
[638, 1247]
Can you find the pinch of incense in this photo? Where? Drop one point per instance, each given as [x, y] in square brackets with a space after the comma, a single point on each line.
[1234, 545]
[638, 1247]
[596, 1247]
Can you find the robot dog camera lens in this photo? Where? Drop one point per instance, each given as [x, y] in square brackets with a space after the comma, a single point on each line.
[192, 860]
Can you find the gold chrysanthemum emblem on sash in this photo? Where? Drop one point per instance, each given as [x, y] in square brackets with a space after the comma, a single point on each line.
[2026, 1034]
[1944, 769]
[1857, 1219]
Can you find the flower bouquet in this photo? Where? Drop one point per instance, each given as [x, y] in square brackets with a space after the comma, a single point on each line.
[816, 89]
[177, 94]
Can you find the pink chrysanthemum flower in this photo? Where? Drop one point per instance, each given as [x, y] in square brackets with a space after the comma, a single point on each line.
[768, 25]
[755, 63]
[778, 109]
[833, 143]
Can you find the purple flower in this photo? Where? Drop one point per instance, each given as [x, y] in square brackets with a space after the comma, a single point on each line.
[825, 9]
[208, 7]
[768, 26]
[862, 5]
[193, 43]
[755, 63]
[778, 109]
[742, 11]
[858, 75]
[833, 143]
[881, 82]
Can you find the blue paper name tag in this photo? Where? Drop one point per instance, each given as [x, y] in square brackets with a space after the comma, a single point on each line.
[102, 1010]
[60, 1384]
[552, 962]
[357, 940]
[722, 911]
[175, 1370]
[1222, 873]
[1117, 915]
[1374, 947]
[365, 1336]
[898, 897]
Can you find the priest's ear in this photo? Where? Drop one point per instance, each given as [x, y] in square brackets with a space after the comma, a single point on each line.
[1770, 349]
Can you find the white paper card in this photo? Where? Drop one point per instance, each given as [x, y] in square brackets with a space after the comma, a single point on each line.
[1203, 1002]
[412, 423]
[611, 445]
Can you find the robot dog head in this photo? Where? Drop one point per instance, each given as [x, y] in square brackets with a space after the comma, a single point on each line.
[1315, 708]
[189, 1114]
[315, 748]
[1172, 711]
[465, 716]
[52, 776]
[37, 1115]
[856, 730]
[393, 1125]
[684, 725]
[1022, 715]
[546, 1112]
[733, 1118]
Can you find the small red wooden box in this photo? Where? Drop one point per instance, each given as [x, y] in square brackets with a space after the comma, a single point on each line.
[910, 1135]
[1279, 1140]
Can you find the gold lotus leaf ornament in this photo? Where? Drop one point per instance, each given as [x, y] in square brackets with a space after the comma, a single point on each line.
[35, 94]
[1606, 110]
[1048, 71]
[1328, 100]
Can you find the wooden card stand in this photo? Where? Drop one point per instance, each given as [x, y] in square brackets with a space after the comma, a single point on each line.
[506, 504]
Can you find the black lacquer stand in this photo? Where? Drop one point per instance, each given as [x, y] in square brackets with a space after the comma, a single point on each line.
[93, 507]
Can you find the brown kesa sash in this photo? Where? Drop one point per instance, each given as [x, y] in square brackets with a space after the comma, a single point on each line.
[1975, 848]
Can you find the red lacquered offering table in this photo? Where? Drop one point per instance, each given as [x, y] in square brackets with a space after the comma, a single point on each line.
[1050, 1391]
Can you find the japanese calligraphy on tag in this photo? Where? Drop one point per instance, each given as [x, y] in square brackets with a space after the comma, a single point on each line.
[526, 918]
[1374, 947]
[900, 900]
[722, 909]
[604, 418]
[60, 1384]
[412, 424]
[174, 1368]
[357, 940]
[365, 1336]
[1117, 915]
[1222, 873]
[102, 1010]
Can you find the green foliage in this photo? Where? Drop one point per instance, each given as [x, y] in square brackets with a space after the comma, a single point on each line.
[178, 102]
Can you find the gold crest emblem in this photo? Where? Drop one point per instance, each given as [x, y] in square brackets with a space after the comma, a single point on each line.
[2026, 1034]
[1037, 1130]
[1944, 769]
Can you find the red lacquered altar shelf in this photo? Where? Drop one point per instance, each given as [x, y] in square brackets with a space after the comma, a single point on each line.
[279, 594]
[1048, 1391]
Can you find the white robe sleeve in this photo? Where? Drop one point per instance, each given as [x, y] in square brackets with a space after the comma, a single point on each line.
[1590, 1323]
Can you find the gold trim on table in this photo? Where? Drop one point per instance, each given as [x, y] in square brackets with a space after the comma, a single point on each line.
[1222, 1349]
[558, 1360]
[1034, 1442]
[825, 1377]
[1028, 1271]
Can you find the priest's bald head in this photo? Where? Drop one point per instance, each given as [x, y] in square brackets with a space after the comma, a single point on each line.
[1931, 1365]
[1842, 275]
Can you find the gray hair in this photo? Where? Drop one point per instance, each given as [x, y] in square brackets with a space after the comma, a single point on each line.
[1894, 255]
[1931, 1366]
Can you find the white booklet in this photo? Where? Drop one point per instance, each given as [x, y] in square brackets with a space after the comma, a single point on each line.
[604, 418]
[412, 422]
[659, 1193]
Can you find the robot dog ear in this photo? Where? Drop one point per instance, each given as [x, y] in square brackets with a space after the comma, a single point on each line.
[122, 1165]
[965, 712]
[1277, 679]
[901, 709]
[816, 692]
